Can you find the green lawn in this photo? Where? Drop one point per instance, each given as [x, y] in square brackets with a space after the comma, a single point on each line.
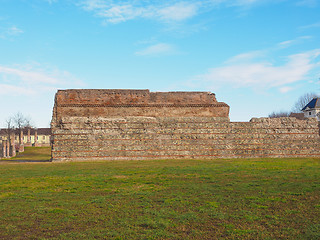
[34, 154]
[161, 199]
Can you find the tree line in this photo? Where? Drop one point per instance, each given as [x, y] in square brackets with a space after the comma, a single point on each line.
[297, 107]
[17, 122]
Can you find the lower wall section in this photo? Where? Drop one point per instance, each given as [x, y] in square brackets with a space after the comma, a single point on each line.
[83, 139]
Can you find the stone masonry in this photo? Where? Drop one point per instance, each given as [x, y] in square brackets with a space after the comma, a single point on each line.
[122, 103]
[138, 124]
[3, 149]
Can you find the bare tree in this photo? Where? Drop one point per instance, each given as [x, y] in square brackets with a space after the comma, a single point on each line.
[16, 122]
[303, 101]
[21, 122]
[9, 129]
[28, 123]
[279, 114]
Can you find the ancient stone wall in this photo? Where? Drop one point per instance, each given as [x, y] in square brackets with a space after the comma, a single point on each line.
[115, 103]
[3, 149]
[92, 137]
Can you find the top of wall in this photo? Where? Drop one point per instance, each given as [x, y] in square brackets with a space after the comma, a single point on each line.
[115, 103]
[125, 97]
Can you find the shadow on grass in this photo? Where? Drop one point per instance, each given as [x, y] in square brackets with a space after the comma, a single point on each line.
[24, 161]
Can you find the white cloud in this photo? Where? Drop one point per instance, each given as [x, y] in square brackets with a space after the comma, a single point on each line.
[245, 2]
[51, 1]
[262, 74]
[313, 25]
[10, 32]
[7, 89]
[246, 57]
[157, 49]
[286, 43]
[91, 5]
[30, 79]
[115, 12]
[164, 11]
[26, 76]
[178, 12]
[14, 31]
[285, 89]
[297, 40]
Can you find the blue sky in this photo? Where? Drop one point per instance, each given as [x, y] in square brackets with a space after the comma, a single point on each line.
[258, 56]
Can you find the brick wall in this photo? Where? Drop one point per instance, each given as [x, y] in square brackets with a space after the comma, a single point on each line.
[115, 103]
[100, 138]
[138, 124]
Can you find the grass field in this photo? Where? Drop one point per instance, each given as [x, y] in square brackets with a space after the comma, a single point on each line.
[34, 154]
[161, 199]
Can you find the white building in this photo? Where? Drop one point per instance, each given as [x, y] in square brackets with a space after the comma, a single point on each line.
[312, 109]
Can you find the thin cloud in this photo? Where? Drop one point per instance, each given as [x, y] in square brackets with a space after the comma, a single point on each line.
[121, 13]
[7, 89]
[178, 12]
[115, 12]
[51, 1]
[262, 74]
[157, 49]
[286, 43]
[164, 11]
[313, 25]
[246, 57]
[24, 79]
[289, 43]
[29, 77]
[10, 32]
[285, 89]
[92, 5]
[244, 3]
[15, 31]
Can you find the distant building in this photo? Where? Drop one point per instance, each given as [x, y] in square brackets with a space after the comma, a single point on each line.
[39, 137]
[27, 137]
[312, 109]
[299, 116]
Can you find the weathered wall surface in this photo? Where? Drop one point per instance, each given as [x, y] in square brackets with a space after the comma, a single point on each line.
[92, 138]
[138, 124]
[5, 149]
[115, 103]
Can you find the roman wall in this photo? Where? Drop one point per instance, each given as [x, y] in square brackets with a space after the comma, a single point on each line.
[161, 127]
[115, 103]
